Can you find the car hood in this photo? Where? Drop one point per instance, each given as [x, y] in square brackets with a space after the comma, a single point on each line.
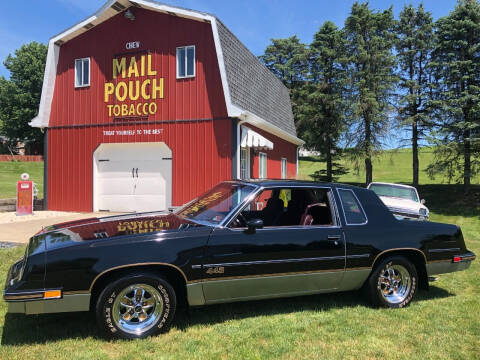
[113, 226]
[400, 203]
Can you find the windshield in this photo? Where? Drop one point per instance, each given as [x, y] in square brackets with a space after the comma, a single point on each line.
[394, 191]
[214, 205]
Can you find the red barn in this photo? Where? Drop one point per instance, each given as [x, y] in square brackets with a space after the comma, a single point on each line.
[146, 105]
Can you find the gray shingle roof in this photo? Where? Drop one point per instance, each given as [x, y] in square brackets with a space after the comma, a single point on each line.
[252, 86]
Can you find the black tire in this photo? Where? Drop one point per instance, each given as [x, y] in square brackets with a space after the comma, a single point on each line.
[393, 283]
[122, 313]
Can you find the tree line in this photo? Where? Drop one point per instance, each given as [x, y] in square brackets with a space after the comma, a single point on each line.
[352, 87]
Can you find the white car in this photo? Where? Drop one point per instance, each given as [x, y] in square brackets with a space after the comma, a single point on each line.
[402, 200]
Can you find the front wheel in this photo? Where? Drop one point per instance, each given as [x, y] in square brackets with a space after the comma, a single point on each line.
[393, 283]
[136, 306]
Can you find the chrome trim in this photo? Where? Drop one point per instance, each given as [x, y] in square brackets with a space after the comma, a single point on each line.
[358, 256]
[196, 266]
[21, 296]
[359, 203]
[468, 257]
[68, 303]
[279, 261]
[443, 250]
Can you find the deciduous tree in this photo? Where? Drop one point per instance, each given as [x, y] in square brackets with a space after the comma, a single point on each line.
[20, 95]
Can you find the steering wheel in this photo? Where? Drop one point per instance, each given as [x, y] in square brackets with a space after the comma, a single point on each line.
[239, 221]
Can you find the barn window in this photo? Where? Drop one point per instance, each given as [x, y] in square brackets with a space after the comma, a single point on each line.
[185, 62]
[82, 72]
[284, 168]
[262, 171]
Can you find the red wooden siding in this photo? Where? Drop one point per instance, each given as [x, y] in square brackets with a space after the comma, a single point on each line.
[281, 149]
[200, 97]
[201, 152]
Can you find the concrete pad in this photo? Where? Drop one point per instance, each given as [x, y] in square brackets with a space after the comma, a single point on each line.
[19, 229]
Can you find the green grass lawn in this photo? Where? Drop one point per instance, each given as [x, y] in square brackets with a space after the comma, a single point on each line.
[443, 323]
[392, 166]
[10, 173]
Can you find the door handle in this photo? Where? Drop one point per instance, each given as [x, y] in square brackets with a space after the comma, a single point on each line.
[334, 238]
[137, 172]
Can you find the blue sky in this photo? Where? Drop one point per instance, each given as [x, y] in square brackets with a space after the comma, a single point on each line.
[255, 22]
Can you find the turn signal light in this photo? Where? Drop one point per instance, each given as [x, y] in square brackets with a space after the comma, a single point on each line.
[457, 259]
[52, 294]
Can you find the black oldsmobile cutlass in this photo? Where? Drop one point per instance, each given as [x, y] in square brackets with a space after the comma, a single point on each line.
[242, 240]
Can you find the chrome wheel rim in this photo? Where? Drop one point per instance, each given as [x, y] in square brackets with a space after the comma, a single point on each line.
[395, 283]
[137, 308]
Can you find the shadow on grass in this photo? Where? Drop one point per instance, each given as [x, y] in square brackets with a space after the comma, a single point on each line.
[39, 329]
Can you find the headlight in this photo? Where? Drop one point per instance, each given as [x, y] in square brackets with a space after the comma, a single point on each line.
[423, 212]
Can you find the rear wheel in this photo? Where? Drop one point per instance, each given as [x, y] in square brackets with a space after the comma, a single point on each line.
[136, 306]
[393, 283]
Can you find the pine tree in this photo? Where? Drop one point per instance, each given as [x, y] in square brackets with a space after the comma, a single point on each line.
[457, 93]
[321, 114]
[371, 63]
[415, 41]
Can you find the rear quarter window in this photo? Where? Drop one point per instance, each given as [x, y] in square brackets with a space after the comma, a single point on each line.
[352, 209]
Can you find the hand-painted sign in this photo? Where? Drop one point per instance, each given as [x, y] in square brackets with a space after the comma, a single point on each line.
[138, 96]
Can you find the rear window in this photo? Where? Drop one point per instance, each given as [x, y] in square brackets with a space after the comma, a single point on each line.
[354, 214]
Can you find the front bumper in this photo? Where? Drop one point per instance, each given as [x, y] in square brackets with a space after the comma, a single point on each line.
[449, 265]
[34, 303]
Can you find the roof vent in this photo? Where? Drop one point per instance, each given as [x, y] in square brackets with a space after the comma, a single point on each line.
[89, 26]
[118, 7]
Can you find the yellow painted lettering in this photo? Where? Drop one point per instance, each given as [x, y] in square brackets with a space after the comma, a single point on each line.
[116, 110]
[119, 67]
[152, 108]
[146, 83]
[142, 65]
[144, 109]
[133, 69]
[121, 85]
[149, 66]
[109, 107]
[124, 109]
[157, 89]
[130, 90]
[138, 109]
[132, 110]
[109, 89]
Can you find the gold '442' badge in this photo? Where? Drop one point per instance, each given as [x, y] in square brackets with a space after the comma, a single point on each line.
[216, 270]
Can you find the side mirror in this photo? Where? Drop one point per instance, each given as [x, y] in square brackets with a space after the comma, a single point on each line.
[253, 225]
[422, 201]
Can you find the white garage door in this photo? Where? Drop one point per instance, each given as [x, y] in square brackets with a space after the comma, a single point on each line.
[132, 177]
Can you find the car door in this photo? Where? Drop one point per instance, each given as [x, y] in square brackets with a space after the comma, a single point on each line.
[274, 261]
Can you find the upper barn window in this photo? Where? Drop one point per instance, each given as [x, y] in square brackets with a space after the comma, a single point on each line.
[82, 72]
[185, 62]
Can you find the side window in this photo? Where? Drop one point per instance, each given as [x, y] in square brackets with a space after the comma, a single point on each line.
[262, 170]
[289, 207]
[82, 72]
[354, 214]
[185, 62]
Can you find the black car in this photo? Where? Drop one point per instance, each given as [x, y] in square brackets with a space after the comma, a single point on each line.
[242, 240]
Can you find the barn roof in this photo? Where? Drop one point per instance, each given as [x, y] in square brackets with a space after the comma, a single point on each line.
[252, 93]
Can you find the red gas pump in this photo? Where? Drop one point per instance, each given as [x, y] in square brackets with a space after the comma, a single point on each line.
[24, 196]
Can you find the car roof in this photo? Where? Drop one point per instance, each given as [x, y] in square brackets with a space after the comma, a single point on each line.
[292, 182]
[393, 184]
